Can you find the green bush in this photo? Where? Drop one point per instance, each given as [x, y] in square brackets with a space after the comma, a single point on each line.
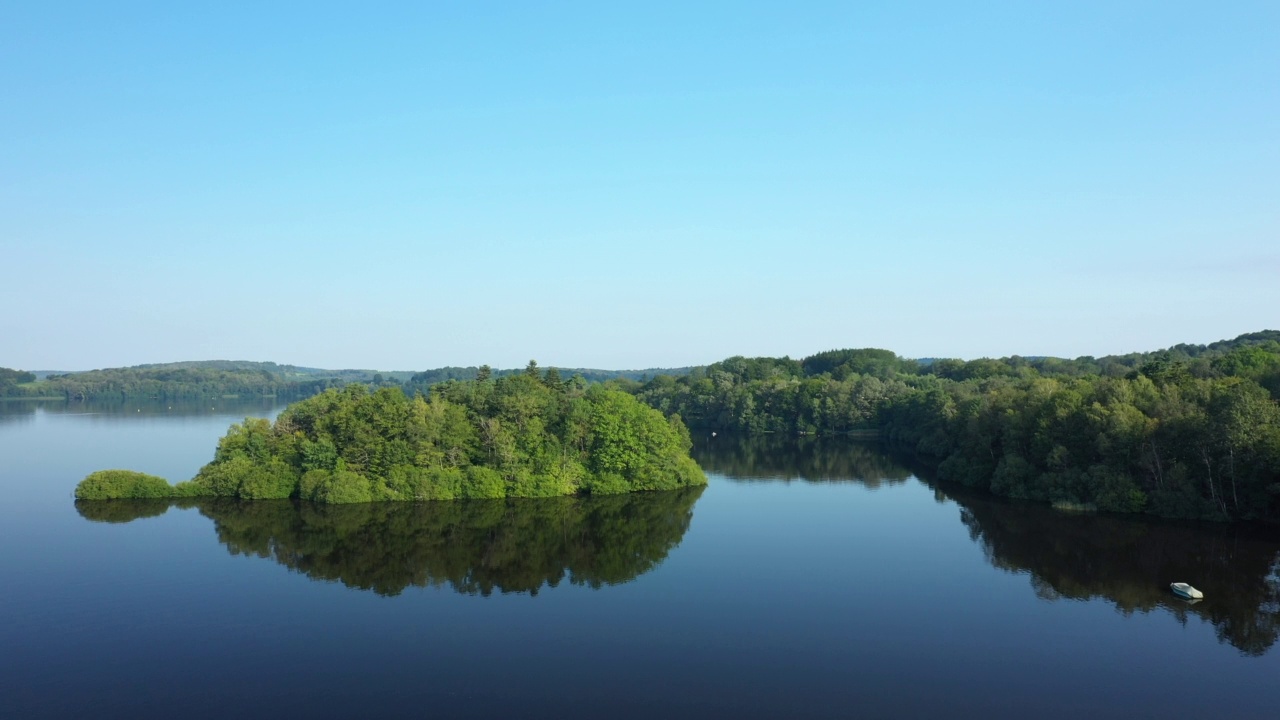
[397, 485]
[117, 484]
[273, 480]
[311, 482]
[687, 473]
[529, 485]
[190, 489]
[223, 478]
[337, 487]
[606, 484]
[482, 482]
[437, 484]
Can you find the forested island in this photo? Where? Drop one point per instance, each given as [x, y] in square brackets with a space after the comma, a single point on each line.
[525, 435]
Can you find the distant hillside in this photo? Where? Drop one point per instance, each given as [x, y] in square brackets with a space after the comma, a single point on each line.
[1196, 359]
[243, 378]
[173, 381]
[286, 372]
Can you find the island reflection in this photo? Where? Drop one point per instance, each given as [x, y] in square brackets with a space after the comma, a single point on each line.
[479, 546]
[474, 547]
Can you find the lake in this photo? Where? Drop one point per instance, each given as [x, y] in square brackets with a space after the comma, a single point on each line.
[808, 579]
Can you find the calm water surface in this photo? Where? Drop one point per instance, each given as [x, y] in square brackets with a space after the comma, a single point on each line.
[807, 580]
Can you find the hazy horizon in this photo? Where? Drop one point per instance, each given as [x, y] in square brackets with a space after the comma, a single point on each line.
[517, 366]
[608, 186]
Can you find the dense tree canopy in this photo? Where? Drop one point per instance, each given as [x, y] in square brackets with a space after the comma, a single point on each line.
[10, 377]
[526, 435]
[1193, 431]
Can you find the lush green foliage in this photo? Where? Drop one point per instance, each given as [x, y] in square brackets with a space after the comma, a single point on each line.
[15, 383]
[9, 377]
[525, 435]
[116, 484]
[1193, 431]
[755, 395]
[1187, 447]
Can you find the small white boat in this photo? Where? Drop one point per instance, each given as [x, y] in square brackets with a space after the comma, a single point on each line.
[1186, 591]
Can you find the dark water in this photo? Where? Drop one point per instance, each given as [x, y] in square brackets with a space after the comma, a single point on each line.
[813, 579]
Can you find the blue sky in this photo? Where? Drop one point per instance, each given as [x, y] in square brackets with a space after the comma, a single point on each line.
[412, 185]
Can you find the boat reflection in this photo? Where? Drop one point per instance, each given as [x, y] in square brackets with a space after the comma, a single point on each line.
[1129, 561]
[1126, 560]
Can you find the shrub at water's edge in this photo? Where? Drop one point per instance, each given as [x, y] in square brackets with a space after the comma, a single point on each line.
[117, 484]
[527, 435]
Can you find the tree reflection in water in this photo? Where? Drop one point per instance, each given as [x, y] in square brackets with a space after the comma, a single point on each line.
[812, 459]
[1130, 561]
[471, 546]
[477, 547]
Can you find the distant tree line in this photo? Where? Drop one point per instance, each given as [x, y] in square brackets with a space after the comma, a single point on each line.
[423, 381]
[1192, 431]
[218, 378]
[174, 381]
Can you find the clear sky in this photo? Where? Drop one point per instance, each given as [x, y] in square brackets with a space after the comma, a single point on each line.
[622, 185]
